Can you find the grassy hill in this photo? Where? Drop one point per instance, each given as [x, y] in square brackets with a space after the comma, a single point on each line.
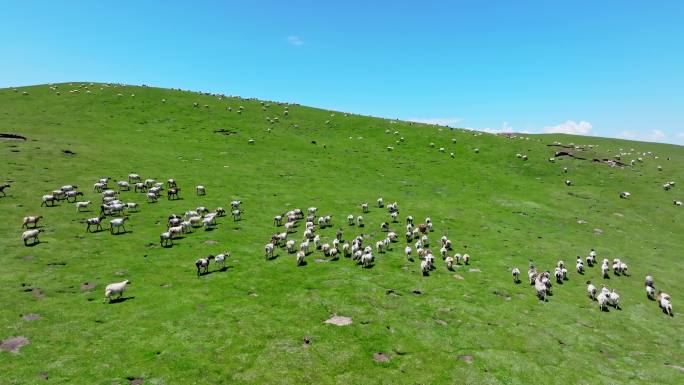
[262, 322]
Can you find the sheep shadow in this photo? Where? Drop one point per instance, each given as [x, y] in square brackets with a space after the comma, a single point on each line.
[120, 232]
[304, 263]
[167, 246]
[273, 257]
[34, 243]
[209, 228]
[96, 231]
[120, 300]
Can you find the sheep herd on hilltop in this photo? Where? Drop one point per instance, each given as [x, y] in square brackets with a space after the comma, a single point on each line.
[364, 248]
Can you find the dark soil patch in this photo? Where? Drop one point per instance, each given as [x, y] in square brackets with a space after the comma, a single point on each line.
[416, 292]
[56, 264]
[465, 358]
[12, 136]
[43, 375]
[27, 257]
[502, 294]
[135, 380]
[391, 292]
[68, 152]
[88, 286]
[13, 344]
[225, 131]
[381, 357]
[306, 342]
[30, 317]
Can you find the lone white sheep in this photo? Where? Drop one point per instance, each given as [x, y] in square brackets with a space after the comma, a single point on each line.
[115, 288]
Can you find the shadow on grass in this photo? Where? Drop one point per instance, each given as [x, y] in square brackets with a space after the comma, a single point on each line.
[120, 300]
[34, 243]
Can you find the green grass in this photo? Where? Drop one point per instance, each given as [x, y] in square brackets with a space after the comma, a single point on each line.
[247, 325]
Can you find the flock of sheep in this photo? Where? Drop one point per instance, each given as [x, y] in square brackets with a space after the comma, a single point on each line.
[359, 250]
[541, 280]
[112, 206]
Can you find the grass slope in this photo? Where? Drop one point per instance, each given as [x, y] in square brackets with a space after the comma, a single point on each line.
[248, 324]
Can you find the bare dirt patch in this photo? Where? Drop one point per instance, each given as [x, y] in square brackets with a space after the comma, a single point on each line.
[474, 270]
[210, 242]
[88, 286]
[416, 292]
[13, 344]
[459, 277]
[598, 231]
[680, 368]
[465, 358]
[27, 257]
[135, 380]
[339, 320]
[380, 357]
[441, 322]
[30, 317]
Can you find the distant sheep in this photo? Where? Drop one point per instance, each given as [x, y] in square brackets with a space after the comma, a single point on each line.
[31, 220]
[117, 223]
[200, 190]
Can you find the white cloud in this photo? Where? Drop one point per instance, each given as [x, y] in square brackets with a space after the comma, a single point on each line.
[680, 135]
[295, 40]
[452, 122]
[570, 127]
[656, 135]
[505, 127]
[627, 135]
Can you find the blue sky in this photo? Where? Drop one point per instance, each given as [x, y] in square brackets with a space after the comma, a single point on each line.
[608, 68]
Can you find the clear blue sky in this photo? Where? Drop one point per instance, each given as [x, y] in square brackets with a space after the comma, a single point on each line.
[609, 68]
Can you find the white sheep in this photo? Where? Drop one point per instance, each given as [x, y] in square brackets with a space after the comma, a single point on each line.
[115, 288]
[151, 197]
[237, 214]
[466, 259]
[268, 249]
[220, 260]
[449, 262]
[300, 257]
[591, 290]
[165, 239]
[82, 205]
[367, 259]
[290, 246]
[350, 220]
[133, 177]
[625, 195]
[304, 246]
[650, 292]
[359, 221]
[48, 200]
[33, 219]
[677, 203]
[602, 300]
[123, 185]
[201, 190]
[614, 299]
[31, 234]
[424, 267]
[96, 221]
[516, 274]
[117, 223]
[364, 207]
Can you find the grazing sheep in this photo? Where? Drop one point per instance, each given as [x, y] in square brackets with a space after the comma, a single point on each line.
[359, 221]
[677, 203]
[133, 178]
[466, 259]
[99, 186]
[605, 269]
[31, 220]
[648, 281]
[220, 260]
[591, 290]
[364, 207]
[300, 257]
[172, 193]
[614, 299]
[541, 289]
[117, 223]
[602, 300]
[48, 200]
[96, 221]
[82, 205]
[304, 246]
[123, 185]
[235, 204]
[31, 234]
[380, 202]
[625, 195]
[650, 292]
[237, 214]
[72, 195]
[516, 274]
[424, 267]
[171, 183]
[580, 266]
[568, 183]
[115, 288]
[350, 220]
[165, 239]
[200, 190]
[140, 186]
[268, 250]
[591, 258]
[290, 246]
[278, 220]
[151, 197]
[202, 265]
[449, 263]
[664, 302]
[367, 260]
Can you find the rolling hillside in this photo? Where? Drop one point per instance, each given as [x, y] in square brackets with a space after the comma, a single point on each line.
[262, 321]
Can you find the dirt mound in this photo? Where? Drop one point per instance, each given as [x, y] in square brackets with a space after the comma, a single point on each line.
[13, 344]
[380, 357]
[339, 320]
[465, 358]
[30, 317]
